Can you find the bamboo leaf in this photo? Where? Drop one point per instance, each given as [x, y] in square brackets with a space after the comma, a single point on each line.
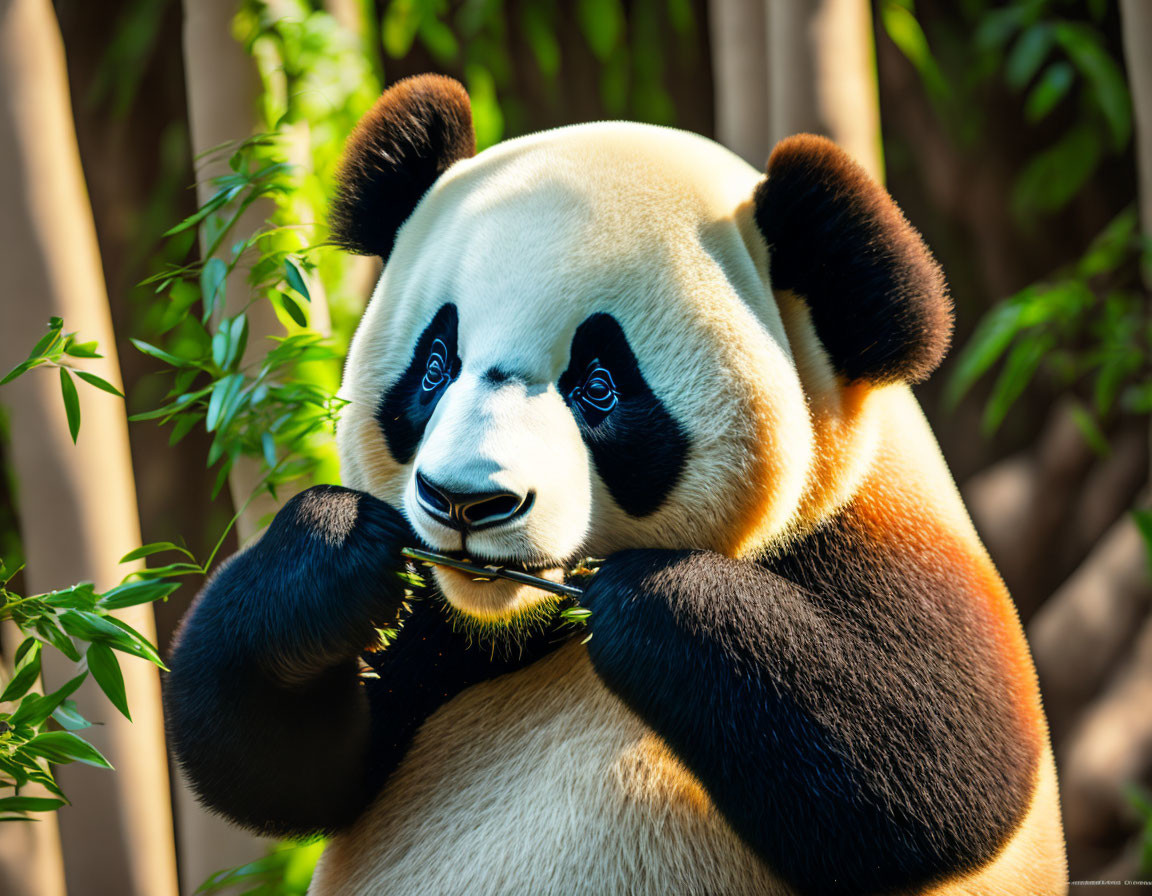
[28, 670]
[212, 278]
[99, 382]
[30, 804]
[105, 668]
[294, 310]
[68, 715]
[134, 593]
[1028, 54]
[296, 279]
[160, 354]
[19, 370]
[36, 710]
[83, 350]
[1052, 87]
[71, 403]
[1090, 429]
[63, 746]
[156, 547]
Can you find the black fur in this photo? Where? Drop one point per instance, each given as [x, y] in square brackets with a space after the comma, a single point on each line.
[407, 407]
[849, 713]
[265, 708]
[877, 297]
[638, 447]
[418, 129]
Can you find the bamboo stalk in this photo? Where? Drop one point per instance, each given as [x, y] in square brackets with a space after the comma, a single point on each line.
[499, 572]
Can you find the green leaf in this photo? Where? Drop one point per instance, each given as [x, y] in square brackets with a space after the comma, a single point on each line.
[990, 340]
[155, 547]
[1028, 54]
[135, 593]
[578, 615]
[1109, 249]
[602, 23]
[160, 354]
[1109, 90]
[220, 198]
[35, 711]
[398, 27]
[439, 40]
[1022, 364]
[92, 380]
[89, 626]
[136, 644]
[51, 632]
[906, 33]
[169, 570]
[223, 393]
[486, 113]
[48, 340]
[539, 31]
[29, 804]
[996, 27]
[184, 425]
[1053, 176]
[19, 370]
[83, 350]
[71, 403]
[63, 746]
[1090, 429]
[268, 445]
[296, 279]
[27, 671]
[27, 646]
[294, 310]
[212, 278]
[68, 715]
[105, 668]
[1052, 87]
[235, 341]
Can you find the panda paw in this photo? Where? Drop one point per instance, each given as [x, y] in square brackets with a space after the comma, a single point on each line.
[627, 605]
[325, 573]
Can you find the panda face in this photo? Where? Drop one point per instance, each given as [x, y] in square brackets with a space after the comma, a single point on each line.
[573, 350]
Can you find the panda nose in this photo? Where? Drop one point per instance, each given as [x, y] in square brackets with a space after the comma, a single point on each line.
[469, 511]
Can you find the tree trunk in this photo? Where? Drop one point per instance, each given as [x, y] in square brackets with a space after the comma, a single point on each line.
[78, 504]
[786, 67]
[740, 73]
[822, 75]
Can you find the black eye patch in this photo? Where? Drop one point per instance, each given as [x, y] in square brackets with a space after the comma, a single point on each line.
[407, 406]
[638, 447]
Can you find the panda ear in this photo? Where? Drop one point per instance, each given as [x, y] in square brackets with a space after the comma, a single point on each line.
[876, 296]
[414, 133]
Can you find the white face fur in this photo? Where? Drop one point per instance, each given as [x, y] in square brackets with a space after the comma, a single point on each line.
[523, 245]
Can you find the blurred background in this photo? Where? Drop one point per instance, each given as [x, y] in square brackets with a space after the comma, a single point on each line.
[1017, 136]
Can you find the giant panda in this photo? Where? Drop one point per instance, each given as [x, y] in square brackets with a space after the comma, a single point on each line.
[800, 672]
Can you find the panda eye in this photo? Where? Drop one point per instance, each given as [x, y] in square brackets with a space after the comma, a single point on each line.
[597, 393]
[438, 369]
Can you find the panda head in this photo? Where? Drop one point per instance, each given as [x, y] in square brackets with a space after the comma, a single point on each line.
[613, 335]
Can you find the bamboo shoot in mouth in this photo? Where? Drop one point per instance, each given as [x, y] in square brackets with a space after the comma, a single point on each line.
[484, 573]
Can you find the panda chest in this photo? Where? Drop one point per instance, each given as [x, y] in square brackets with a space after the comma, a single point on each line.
[540, 781]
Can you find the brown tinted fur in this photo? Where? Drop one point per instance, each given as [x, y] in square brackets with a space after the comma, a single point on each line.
[877, 297]
[414, 133]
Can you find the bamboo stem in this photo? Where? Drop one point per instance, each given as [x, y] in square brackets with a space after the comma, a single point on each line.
[499, 572]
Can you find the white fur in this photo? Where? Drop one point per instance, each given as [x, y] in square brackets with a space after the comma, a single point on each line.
[541, 782]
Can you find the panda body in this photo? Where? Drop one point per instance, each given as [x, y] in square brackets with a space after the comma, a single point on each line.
[804, 674]
[507, 788]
